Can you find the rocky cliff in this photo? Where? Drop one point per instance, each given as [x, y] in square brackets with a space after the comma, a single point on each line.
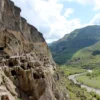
[27, 69]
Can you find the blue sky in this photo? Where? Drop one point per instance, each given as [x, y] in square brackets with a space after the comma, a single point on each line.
[55, 18]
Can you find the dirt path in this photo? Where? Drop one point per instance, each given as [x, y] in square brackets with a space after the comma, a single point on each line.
[89, 89]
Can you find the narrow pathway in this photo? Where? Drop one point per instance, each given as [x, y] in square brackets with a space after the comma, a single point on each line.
[89, 89]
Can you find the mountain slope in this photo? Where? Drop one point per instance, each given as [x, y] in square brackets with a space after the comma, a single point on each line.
[64, 49]
[88, 57]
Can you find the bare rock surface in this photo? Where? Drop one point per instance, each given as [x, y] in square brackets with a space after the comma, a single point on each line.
[26, 66]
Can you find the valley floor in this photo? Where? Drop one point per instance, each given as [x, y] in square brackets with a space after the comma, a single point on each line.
[90, 79]
[75, 91]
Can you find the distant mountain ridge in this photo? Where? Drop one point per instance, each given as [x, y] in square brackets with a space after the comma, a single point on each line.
[64, 49]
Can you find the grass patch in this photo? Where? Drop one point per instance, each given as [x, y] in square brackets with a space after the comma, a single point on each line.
[90, 80]
[75, 91]
[68, 70]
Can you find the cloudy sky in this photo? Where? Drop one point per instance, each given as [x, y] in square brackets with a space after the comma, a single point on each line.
[55, 18]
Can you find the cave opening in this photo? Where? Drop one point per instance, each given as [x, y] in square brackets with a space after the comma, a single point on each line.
[36, 76]
[29, 66]
[42, 76]
[7, 57]
[13, 73]
[22, 66]
[1, 48]
[11, 64]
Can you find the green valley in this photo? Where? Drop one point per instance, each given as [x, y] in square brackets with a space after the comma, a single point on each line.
[70, 48]
[88, 57]
[91, 79]
[76, 53]
[74, 90]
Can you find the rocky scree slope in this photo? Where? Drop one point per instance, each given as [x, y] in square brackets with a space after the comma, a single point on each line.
[27, 69]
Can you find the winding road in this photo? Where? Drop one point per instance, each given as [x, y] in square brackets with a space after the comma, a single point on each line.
[89, 89]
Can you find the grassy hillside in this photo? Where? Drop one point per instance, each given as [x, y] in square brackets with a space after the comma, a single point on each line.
[64, 49]
[88, 57]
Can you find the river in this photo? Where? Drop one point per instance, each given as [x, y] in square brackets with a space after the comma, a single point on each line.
[89, 89]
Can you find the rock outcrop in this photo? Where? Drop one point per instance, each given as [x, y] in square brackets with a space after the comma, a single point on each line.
[26, 66]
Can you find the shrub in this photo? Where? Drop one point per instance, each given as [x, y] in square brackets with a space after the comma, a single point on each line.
[88, 74]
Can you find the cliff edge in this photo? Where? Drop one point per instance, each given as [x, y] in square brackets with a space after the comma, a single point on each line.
[27, 69]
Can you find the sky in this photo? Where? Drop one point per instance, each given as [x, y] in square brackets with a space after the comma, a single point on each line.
[55, 18]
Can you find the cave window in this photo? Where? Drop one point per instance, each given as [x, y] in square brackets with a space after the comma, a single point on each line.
[42, 76]
[11, 64]
[1, 51]
[4, 97]
[7, 57]
[13, 73]
[22, 61]
[28, 66]
[1, 48]
[22, 66]
[36, 76]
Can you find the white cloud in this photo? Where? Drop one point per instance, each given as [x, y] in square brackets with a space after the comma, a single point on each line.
[68, 12]
[85, 1]
[97, 5]
[96, 20]
[46, 16]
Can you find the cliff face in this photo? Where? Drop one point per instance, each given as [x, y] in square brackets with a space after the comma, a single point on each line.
[26, 67]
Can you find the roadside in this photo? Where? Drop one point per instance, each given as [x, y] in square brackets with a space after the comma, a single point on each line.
[91, 79]
[75, 91]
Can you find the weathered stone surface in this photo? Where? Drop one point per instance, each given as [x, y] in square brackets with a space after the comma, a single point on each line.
[4, 97]
[37, 63]
[27, 67]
